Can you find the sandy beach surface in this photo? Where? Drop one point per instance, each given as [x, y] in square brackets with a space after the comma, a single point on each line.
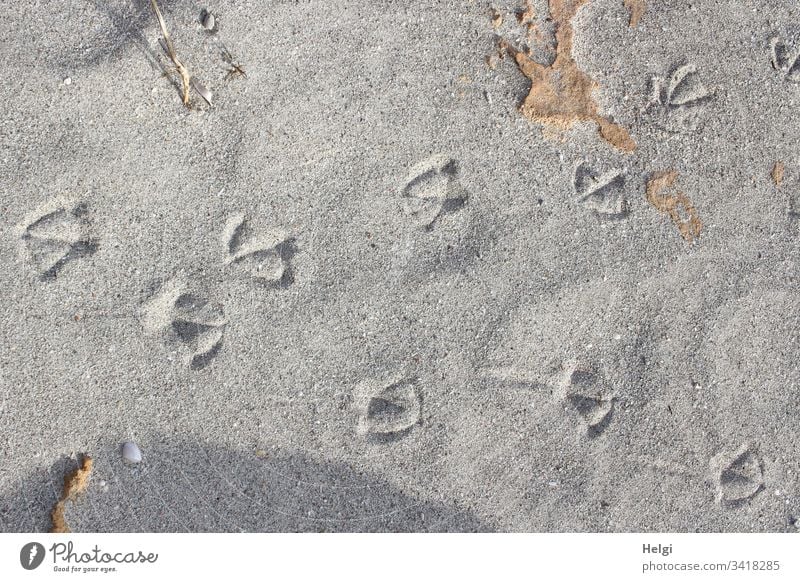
[417, 266]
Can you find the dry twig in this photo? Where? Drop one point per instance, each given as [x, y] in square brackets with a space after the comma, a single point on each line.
[236, 69]
[182, 71]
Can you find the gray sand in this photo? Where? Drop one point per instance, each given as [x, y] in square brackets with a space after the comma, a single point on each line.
[363, 292]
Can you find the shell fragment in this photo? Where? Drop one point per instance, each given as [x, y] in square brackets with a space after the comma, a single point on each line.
[131, 453]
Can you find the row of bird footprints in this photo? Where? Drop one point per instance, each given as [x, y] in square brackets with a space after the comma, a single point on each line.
[390, 409]
[581, 390]
[738, 475]
[60, 232]
[183, 316]
[181, 312]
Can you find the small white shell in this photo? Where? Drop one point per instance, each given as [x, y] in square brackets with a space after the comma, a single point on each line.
[205, 93]
[131, 453]
[207, 20]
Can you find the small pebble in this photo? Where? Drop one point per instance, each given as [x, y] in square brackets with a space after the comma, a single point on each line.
[68, 81]
[131, 453]
[207, 20]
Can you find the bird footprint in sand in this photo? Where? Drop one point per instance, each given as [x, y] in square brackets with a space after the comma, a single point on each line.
[387, 409]
[585, 392]
[432, 191]
[188, 319]
[601, 193]
[56, 234]
[265, 257]
[739, 476]
[785, 59]
[678, 105]
[580, 387]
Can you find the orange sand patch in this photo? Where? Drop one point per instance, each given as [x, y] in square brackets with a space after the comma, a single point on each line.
[777, 173]
[74, 484]
[561, 94]
[527, 15]
[636, 8]
[497, 19]
[688, 224]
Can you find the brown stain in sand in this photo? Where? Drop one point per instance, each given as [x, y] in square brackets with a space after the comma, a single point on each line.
[777, 173]
[74, 484]
[527, 18]
[527, 15]
[497, 19]
[688, 221]
[636, 8]
[561, 93]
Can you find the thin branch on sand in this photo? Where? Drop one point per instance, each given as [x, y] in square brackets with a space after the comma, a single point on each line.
[236, 69]
[182, 71]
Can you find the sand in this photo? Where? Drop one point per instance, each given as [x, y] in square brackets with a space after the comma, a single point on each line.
[367, 290]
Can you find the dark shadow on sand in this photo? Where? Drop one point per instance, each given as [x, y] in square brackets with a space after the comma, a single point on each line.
[195, 487]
